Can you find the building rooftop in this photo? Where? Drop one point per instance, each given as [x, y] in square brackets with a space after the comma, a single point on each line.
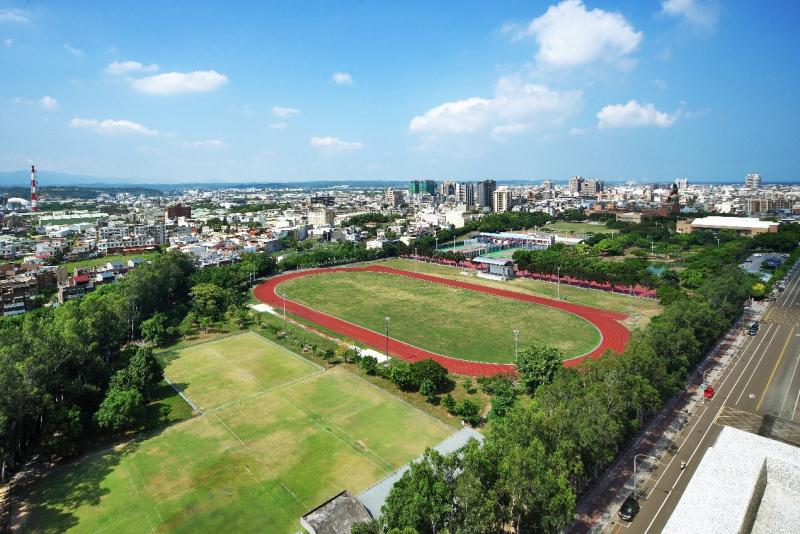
[373, 497]
[744, 483]
[336, 515]
[734, 223]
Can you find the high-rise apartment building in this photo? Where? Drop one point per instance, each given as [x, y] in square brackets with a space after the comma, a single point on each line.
[682, 183]
[394, 197]
[466, 194]
[448, 188]
[417, 187]
[752, 181]
[501, 200]
[484, 191]
[575, 184]
[591, 187]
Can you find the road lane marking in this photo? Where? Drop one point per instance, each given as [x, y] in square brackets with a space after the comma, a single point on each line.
[775, 368]
[774, 333]
[789, 387]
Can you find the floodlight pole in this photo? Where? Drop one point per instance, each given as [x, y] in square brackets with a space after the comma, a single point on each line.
[516, 343]
[284, 315]
[387, 319]
[634, 469]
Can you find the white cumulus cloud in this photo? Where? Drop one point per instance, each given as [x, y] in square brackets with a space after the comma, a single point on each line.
[334, 143]
[72, 50]
[117, 68]
[169, 83]
[278, 125]
[284, 112]
[633, 115]
[112, 126]
[342, 78]
[13, 15]
[204, 144]
[515, 107]
[570, 35]
[698, 13]
[48, 102]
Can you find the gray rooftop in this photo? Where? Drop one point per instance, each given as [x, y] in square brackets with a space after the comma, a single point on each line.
[335, 516]
[491, 261]
[373, 497]
[744, 483]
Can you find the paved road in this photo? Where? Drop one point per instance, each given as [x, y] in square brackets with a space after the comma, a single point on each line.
[758, 392]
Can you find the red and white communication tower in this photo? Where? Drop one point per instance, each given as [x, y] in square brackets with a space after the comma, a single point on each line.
[34, 194]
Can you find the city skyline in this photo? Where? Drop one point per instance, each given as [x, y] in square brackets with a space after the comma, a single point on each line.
[616, 90]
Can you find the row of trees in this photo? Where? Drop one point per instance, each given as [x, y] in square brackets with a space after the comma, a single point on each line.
[576, 263]
[555, 430]
[59, 366]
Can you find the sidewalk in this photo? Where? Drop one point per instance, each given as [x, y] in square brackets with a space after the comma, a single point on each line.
[598, 506]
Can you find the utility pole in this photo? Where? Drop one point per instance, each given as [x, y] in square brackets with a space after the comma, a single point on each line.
[386, 319]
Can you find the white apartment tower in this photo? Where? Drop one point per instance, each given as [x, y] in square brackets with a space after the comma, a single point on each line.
[753, 181]
[501, 200]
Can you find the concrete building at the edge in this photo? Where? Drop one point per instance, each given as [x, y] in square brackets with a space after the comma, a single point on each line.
[741, 225]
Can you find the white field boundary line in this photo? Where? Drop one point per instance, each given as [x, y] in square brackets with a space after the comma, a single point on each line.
[337, 435]
[195, 407]
[255, 457]
[264, 391]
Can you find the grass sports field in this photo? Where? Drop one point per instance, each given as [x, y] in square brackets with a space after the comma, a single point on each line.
[579, 228]
[640, 310]
[256, 464]
[446, 320]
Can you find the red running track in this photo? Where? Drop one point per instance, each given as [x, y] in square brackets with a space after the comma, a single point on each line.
[614, 336]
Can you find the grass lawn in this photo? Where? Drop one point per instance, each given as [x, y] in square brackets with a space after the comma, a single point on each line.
[214, 373]
[252, 466]
[447, 320]
[579, 228]
[639, 310]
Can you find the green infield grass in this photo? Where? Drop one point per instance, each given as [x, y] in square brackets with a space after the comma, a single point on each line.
[446, 320]
[215, 373]
[638, 309]
[255, 465]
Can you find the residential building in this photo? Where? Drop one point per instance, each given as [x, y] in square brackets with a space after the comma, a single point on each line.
[466, 194]
[753, 181]
[484, 191]
[501, 200]
[417, 187]
[178, 210]
[321, 217]
[394, 197]
[575, 184]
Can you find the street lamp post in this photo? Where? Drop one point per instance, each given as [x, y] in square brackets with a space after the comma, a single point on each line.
[634, 470]
[516, 343]
[284, 315]
[558, 283]
[386, 320]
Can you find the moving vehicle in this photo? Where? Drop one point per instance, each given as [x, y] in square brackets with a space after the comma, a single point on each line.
[629, 508]
[753, 330]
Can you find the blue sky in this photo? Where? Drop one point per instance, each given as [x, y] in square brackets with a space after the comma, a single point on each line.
[178, 91]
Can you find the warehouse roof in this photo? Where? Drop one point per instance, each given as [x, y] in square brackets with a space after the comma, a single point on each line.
[733, 223]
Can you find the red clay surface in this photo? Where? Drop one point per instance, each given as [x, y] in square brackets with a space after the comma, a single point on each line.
[614, 335]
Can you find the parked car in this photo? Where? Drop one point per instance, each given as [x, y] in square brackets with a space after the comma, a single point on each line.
[753, 330]
[629, 508]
